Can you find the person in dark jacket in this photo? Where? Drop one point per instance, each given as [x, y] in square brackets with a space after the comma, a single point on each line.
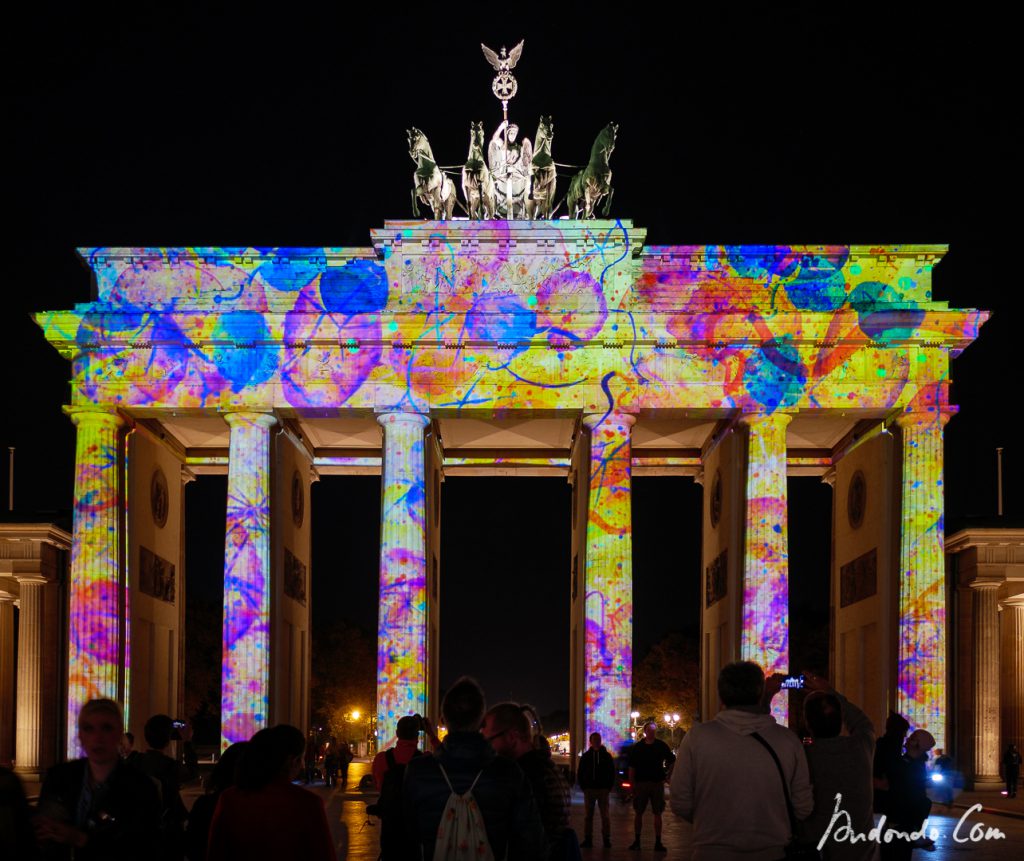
[908, 803]
[502, 793]
[98, 807]
[223, 776]
[171, 775]
[888, 753]
[511, 729]
[596, 777]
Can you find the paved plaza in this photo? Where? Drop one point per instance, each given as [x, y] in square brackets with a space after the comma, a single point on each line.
[357, 836]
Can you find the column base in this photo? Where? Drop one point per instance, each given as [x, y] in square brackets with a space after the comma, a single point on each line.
[987, 781]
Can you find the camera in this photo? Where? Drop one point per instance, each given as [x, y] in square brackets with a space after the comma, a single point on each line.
[793, 683]
[176, 727]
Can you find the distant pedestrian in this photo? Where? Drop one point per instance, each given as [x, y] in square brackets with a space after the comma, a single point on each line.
[345, 757]
[465, 764]
[224, 774]
[650, 765]
[943, 778]
[1011, 769]
[509, 729]
[98, 807]
[596, 777]
[264, 815]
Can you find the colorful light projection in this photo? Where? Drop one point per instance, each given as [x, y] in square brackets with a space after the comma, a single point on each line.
[765, 634]
[608, 644]
[402, 624]
[459, 316]
[95, 642]
[500, 316]
[245, 673]
[921, 681]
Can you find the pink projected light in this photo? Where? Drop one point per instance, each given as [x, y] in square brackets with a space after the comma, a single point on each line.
[765, 636]
[95, 647]
[245, 679]
[402, 625]
[921, 691]
[608, 649]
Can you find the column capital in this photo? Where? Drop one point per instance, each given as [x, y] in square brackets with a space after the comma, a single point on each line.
[31, 579]
[393, 417]
[922, 417]
[593, 420]
[94, 415]
[778, 418]
[985, 583]
[6, 597]
[829, 477]
[242, 416]
[187, 475]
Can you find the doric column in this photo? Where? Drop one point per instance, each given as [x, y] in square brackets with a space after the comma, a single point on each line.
[921, 650]
[765, 634]
[245, 670]
[402, 624]
[1011, 690]
[985, 700]
[608, 578]
[96, 643]
[27, 756]
[6, 678]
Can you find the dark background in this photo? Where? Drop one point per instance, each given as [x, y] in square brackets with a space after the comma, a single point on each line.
[792, 124]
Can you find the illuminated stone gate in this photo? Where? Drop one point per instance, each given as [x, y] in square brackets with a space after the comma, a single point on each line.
[557, 347]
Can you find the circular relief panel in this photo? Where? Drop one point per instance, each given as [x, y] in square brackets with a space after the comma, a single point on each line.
[298, 499]
[857, 499]
[159, 498]
[716, 498]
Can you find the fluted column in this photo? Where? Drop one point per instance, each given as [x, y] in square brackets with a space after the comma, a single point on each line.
[6, 678]
[608, 577]
[28, 743]
[245, 669]
[96, 634]
[1011, 690]
[921, 655]
[765, 634]
[402, 623]
[985, 700]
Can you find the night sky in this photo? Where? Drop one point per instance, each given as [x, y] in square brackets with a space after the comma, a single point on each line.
[789, 125]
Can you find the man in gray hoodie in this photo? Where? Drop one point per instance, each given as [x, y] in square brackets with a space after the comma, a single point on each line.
[728, 785]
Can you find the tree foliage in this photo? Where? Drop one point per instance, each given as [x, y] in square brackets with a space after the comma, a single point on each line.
[343, 680]
[667, 680]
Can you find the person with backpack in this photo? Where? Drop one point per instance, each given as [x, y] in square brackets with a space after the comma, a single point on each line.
[465, 801]
[396, 842]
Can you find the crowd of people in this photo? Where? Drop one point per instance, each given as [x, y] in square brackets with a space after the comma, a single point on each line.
[752, 788]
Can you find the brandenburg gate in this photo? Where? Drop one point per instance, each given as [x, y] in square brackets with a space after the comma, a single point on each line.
[561, 347]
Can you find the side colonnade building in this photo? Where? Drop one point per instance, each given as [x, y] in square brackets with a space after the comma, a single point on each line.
[535, 348]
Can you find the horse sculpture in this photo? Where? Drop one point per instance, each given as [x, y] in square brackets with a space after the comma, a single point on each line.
[595, 180]
[431, 185]
[477, 182]
[542, 173]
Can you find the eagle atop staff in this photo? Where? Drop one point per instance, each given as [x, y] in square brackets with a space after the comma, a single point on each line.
[507, 61]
